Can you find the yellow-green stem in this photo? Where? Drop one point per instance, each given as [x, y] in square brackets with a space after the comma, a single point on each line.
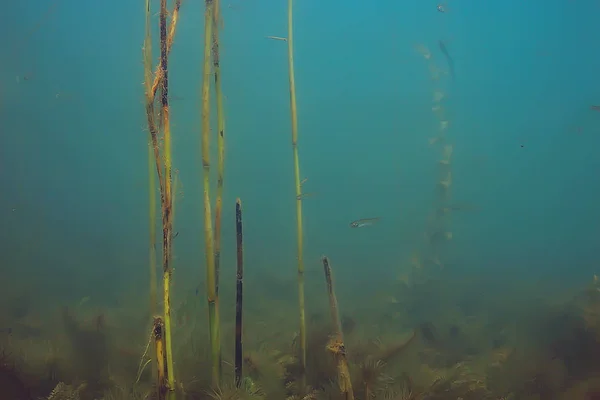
[220, 158]
[213, 311]
[148, 78]
[167, 202]
[298, 186]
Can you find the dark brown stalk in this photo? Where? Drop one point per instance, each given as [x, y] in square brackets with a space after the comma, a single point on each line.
[151, 95]
[239, 293]
[169, 42]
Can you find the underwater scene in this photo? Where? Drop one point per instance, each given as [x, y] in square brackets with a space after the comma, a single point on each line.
[300, 200]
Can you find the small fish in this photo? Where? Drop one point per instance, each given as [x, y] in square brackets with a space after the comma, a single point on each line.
[441, 8]
[359, 223]
[595, 108]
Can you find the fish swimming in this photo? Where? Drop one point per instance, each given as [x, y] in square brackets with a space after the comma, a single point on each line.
[359, 223]
[448, 58]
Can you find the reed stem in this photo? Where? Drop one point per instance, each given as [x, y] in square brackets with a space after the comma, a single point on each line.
[220, 155]
[336, 346]
[159, 352]
[163, 170]
[168, 201]
[220, 142]
[211, 287]
[239, 293]
[152, 238]
[298, 186]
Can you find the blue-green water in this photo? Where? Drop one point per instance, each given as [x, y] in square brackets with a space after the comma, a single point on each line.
[73, 157]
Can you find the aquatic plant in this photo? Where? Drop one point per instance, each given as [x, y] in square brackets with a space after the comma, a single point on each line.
[211, 273]
[220, 157]
[336, 345]
[163, 161]
[297, 183]
[216, 58]
[239, 292]
[63, 391]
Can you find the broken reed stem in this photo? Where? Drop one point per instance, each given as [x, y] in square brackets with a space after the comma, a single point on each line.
[220, 154]
[239, 292]
[168, 202]
[337, 346]
[297, 184]
[159, 352]
[212, 297]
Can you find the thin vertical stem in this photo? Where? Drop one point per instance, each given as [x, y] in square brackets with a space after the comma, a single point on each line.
[167, 222]
[211, 287]
[220, 156]
[239, 293]
[298, 186]
[336, 345]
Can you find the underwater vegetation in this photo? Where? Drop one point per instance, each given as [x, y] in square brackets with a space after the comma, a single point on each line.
[425, 336]
[501, 350]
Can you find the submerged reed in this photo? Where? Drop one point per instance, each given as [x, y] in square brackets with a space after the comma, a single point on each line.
[220, 158]
[163, 162]
[336, 345]
[159, 352]
[211, 276]
[298, 186]
[168, 201]
[239, 293]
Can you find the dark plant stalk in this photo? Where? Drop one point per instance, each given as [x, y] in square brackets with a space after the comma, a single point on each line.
[239, 293]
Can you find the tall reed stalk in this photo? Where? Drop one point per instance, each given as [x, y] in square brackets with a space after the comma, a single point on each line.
[168, 200]
[220, 137]
[298, 186]
[163, 168]
[211, 276]
[220, 157]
